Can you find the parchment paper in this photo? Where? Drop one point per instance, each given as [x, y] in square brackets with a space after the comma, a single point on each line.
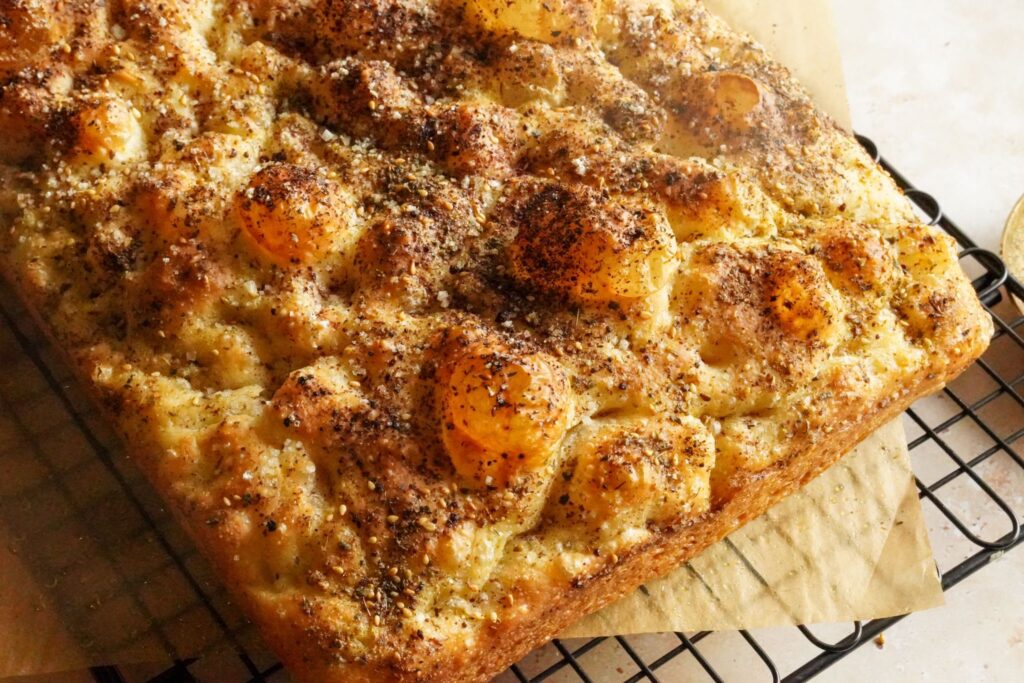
[84, 580]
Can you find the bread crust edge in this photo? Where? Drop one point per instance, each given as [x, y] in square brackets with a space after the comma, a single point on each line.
[503, 643]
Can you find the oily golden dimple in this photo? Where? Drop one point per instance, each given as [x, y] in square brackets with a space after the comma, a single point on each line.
[292, 214]
[592, 247]
[733, 97]
[858, 259]
[311, 399]
[801, 299]
[625, 473]
[504, 412]
[108, 132]
[541, 20]
[30, 29]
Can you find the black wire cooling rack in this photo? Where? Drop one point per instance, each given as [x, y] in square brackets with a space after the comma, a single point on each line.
[984, 407]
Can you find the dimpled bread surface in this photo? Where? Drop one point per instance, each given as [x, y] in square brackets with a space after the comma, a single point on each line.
[443, 323]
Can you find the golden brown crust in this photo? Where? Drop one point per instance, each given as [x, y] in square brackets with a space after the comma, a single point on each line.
[668, 551]
[441, 324]
[675, 547]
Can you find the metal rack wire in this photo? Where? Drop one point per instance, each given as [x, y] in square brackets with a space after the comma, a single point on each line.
[986, 402]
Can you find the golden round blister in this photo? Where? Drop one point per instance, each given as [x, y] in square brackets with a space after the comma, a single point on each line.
[1012, 247]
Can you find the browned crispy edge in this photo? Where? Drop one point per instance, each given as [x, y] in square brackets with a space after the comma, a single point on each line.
[504, 643]
[757, 493]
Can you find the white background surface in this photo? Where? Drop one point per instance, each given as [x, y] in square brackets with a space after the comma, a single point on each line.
[939, 86]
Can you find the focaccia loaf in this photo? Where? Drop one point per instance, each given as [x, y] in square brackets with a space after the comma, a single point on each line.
[443, 323]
